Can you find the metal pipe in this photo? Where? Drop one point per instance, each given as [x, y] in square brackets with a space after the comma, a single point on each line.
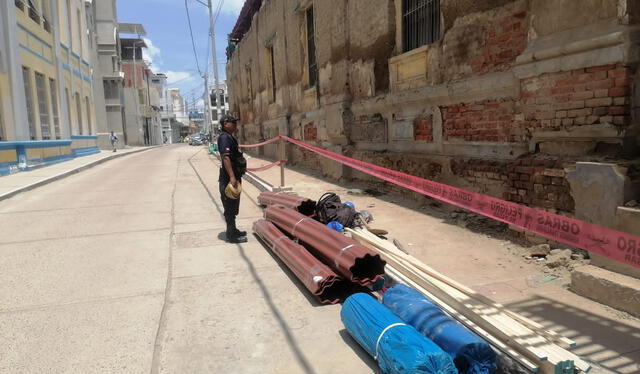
[292, 201]
[346, 256]
[320, 280]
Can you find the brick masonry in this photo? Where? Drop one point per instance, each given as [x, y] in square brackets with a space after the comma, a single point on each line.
[505, 39]
[594, 95]
[530, 181]
[599, 94]
[310, 132]
[423, 129]
[492, 120]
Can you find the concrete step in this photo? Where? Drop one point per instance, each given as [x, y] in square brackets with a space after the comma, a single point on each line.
[609, 288]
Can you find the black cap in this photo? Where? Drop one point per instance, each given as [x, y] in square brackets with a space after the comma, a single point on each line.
[228, 118]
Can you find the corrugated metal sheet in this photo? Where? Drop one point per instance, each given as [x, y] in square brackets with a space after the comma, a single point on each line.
[324, 283]
[346, 256]
[296, 202]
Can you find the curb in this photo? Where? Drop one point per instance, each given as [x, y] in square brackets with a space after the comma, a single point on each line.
[67, 173]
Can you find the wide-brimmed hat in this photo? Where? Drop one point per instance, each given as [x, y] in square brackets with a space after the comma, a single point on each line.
[233, 192]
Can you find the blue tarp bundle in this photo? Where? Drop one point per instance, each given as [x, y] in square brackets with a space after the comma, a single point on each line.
[398, 347]
[471, 354]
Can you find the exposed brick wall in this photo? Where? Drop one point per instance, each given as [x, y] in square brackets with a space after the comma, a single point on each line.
[535, 182]
[599, 94]
[492, 120]
[423, 129]
[310, 132]
[505, 39]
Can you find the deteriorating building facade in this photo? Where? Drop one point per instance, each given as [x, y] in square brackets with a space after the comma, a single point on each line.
[496, 96]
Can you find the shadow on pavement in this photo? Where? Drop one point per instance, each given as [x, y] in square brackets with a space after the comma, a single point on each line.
[358, 350]
[609, 344]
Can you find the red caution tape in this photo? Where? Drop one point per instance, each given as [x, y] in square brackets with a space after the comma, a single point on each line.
[259, 144]
[617, 245]
[268, 166]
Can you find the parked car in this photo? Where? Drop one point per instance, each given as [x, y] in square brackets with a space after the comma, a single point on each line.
[196, 139]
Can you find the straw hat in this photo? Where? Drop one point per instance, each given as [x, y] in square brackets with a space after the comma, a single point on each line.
[233, 192]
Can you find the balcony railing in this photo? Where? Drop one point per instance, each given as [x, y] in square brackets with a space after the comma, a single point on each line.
[34, 14]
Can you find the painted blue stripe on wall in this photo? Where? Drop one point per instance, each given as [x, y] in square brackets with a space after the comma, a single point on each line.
[36, 54]
[84, 136]
[35, 36]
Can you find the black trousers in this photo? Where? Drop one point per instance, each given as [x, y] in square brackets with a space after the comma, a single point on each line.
[231, 206]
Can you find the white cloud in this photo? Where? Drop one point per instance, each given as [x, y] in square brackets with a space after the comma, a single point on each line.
[182, 77]
[152, 54]
[200, 103]
[230, 6]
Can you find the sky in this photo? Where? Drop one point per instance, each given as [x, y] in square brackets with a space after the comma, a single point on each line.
[169, 45]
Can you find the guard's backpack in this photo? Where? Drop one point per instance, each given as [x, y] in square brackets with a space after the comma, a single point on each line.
[330, 208]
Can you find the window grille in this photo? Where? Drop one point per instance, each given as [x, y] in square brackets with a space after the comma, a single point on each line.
[273, 73]
[311, 49]
[420, 23]
[79, 113]
[54, 107]
[27, 91]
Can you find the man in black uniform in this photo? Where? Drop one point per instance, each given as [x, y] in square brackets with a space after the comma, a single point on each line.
[233, 167]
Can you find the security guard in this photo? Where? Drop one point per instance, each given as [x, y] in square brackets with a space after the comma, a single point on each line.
[233, 168]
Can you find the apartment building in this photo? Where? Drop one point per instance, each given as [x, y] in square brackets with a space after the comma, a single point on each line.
[46, 96]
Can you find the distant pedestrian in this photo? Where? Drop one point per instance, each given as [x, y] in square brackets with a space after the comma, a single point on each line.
[233, 168]
[114, 141]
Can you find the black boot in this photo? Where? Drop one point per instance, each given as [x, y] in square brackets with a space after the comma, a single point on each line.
[233, 234]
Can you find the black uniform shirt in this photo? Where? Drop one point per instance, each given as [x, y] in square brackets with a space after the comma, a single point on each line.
[228, 146]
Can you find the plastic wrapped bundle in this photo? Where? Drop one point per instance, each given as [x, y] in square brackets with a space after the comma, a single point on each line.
[470, 353]
[398, 347]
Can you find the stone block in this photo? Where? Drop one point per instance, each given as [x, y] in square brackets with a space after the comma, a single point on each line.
[598, 189]
[615, 290]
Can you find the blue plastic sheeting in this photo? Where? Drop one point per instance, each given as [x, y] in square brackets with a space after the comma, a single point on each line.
[470, 353]
[398, 347]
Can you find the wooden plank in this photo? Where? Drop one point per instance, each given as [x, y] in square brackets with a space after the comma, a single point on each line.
[513, 332]
[497, 344]
[558, 352]
[541, 330]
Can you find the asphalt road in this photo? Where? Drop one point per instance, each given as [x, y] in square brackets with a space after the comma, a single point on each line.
[120, 269]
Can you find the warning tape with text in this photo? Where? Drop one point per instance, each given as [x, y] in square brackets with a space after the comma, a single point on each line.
[617, 245]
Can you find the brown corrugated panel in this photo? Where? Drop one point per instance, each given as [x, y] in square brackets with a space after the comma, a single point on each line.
[324, 284]
[301, 204]
[346, 256]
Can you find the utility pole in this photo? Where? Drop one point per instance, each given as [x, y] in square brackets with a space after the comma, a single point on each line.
[212, 34]
[207, 106]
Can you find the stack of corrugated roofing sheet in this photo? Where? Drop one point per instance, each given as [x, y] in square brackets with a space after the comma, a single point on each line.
[301, 204]
[347, 257]
[323, 282]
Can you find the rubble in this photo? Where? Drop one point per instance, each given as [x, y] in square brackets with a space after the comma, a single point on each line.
[541, 250]
[561, 258]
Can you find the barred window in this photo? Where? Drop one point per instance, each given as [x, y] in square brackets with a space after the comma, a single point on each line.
[26, 77]
[54, 108]
[311, 49]
[420, 23]
[43, 106]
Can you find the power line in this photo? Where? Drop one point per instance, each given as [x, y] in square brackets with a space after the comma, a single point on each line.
[193, 42]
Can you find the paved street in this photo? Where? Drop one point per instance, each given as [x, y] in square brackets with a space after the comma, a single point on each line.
[120, 269]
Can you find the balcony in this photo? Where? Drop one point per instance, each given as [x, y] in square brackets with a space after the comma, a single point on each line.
[34, 14]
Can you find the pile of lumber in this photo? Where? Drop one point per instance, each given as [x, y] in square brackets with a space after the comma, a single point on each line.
[527, 342]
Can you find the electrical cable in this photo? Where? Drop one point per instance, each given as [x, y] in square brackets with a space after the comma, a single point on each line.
[193, 42]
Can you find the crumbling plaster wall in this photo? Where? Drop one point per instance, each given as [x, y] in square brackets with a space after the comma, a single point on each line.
[514, 92]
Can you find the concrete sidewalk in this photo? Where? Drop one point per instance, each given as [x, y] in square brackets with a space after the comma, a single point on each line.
[474, 254]
[14, 184]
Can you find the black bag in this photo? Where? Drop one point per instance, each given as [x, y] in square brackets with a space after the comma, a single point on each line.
[330, 208]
